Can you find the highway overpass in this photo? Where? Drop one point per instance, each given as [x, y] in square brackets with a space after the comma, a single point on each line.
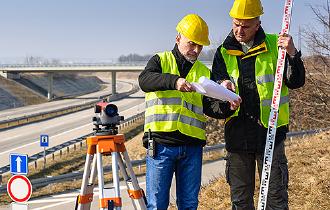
[14, 71]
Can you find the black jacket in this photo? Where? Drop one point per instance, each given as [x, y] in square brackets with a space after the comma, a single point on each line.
[245, 133]
[152, 79]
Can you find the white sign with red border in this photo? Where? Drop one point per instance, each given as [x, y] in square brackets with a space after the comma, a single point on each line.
[19, 188]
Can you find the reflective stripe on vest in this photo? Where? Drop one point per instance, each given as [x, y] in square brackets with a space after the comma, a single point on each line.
[265, 67]
[175, 117]
[265, 78]
[174, 101]
[172, 110]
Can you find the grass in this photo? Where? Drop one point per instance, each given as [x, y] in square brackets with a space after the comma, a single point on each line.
[74, 161]
[309, 171]
[309, 166]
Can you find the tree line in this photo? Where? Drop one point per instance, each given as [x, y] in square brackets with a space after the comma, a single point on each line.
[206, 55]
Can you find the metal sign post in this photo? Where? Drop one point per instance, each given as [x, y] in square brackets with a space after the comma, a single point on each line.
[272, 122]
[44, 142]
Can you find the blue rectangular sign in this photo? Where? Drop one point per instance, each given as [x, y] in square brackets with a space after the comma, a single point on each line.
[44, 140]
[18, 163]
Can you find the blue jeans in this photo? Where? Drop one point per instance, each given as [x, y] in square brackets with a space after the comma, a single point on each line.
[186, 162]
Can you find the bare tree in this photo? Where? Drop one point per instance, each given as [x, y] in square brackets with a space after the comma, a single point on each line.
[318, 38]
[311, 104]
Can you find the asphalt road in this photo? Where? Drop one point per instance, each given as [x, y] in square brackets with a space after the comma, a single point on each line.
[25, 139]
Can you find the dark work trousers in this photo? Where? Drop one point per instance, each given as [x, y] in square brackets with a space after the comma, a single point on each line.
[240, 174]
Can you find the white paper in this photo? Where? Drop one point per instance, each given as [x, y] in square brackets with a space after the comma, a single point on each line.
[212, 89]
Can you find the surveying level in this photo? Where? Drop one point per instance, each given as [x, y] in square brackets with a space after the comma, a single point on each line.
[107, 141]
[108, 117]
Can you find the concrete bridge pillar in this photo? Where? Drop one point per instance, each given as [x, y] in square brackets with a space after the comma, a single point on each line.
[113, 82]
[50, 86]
[13, 75]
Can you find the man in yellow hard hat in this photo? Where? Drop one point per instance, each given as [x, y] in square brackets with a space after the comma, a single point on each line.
[174, 117]
[246, 62]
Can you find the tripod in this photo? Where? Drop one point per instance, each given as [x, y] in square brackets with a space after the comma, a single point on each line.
[109, 198]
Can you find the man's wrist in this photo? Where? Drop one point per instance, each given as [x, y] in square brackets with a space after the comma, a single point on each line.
[294, 54]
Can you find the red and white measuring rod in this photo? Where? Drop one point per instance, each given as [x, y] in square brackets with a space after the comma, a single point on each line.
[272, 122]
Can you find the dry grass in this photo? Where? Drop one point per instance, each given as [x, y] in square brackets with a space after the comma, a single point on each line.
[309, 184]
[74, 161]
[24, 94]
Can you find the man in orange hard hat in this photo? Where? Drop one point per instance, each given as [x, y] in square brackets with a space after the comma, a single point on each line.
[246, 62]
[174, 117]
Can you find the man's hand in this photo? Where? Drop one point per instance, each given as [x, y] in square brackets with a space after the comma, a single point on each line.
[231, 86]
[285, 41]
[228, 84]
[184, 86]
[235, 104]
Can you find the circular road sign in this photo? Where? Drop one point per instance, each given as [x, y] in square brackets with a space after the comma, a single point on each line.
[19, 188]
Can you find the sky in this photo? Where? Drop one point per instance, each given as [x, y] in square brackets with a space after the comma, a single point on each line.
[102, 30]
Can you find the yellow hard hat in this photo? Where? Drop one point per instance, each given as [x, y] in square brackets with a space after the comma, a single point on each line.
[246, 9]
[195, 29]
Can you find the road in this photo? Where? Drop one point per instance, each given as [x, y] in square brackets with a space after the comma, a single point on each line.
[25, 139]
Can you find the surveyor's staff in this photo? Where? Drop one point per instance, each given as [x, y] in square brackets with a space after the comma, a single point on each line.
[272, 122]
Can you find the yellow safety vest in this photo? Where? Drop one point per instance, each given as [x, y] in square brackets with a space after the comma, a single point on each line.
[265, 68]
[172, 110]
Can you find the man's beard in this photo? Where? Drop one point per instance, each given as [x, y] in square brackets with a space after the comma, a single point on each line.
[191, 60]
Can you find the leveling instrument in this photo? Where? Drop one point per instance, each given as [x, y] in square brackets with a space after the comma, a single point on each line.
[106, 142]
[272, 122]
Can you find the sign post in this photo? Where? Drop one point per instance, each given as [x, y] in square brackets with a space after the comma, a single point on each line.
[44, 142]
[19, 206]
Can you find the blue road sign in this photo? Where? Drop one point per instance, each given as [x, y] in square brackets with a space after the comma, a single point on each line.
[18, 163]
[44, 140]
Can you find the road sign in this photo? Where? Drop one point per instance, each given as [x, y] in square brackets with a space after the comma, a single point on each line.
[18, 163]
[19, 188]
[44, 140]
[19, 206]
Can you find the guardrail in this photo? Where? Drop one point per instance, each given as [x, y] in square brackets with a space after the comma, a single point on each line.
[9, 123]
[40, 182]
[71, 143]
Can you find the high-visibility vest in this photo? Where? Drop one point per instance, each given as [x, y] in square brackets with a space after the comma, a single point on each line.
[265, 68]
[172, 110]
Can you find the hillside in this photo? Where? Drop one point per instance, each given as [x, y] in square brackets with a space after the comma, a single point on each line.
[309, 171]
[13, 94]
[32, 88]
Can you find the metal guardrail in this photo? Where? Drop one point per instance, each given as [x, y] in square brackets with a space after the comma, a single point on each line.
[73, 142]
[305, 132]
[9, 123]
[40, 182]
[142, 63]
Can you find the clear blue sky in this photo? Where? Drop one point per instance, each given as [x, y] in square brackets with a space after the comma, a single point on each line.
[104, 29]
